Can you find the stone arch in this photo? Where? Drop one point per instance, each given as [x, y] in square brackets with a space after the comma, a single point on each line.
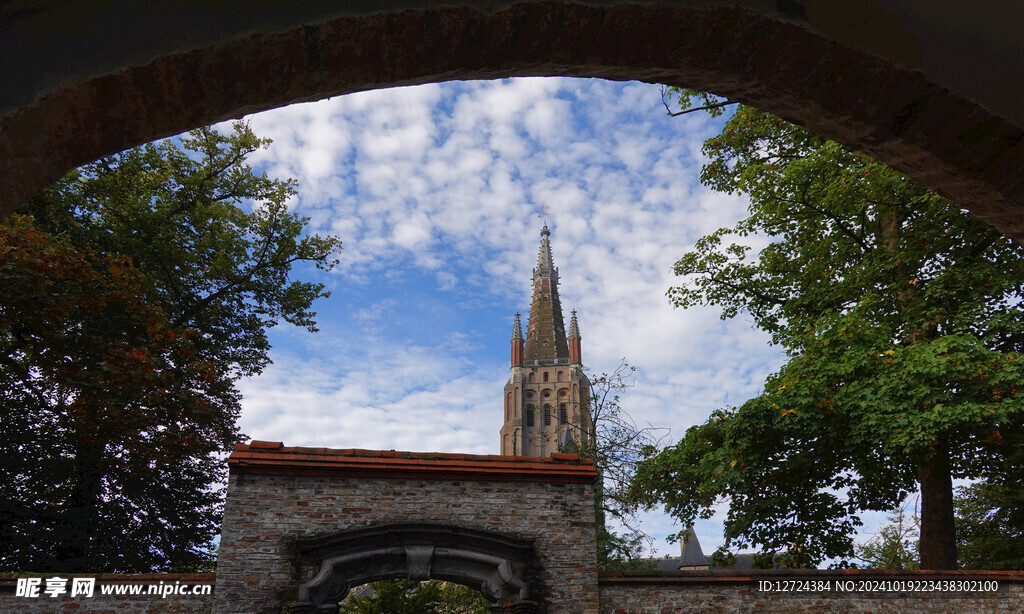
[943, 109]
[497, 565]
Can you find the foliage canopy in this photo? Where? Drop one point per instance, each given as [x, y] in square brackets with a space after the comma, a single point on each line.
[616, 444]
[902, 321]
[411, 597]
[137, 290]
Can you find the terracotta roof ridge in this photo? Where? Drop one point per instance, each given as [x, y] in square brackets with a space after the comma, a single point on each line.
[276, 458]
[278, 449]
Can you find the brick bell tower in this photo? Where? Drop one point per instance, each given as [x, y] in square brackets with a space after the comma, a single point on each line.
[547, 393]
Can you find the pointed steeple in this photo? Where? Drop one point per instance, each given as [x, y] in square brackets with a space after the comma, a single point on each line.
[545, 267]
[545, 332]
[517, 343]
[575, 352]
[567, 441]
[547, 394]
[692, 554]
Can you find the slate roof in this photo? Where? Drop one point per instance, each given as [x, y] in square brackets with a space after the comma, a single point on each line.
[545, 329]
[693, 556]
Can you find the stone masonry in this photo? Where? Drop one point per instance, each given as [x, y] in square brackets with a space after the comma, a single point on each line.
[305, 517]
[279, 495]
[849, 591]
[93, 77]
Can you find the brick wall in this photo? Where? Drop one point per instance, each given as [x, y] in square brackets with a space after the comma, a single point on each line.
[724, 591]
[110, 604]
[277, 495]
[65, 107]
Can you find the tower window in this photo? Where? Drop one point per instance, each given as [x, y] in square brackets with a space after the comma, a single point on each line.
[563, 414]
[545, 376]
[529, 416]
[547, 415]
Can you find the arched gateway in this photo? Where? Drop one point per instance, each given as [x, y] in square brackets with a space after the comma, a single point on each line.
[303, 525]
[933, 89]
[493, 564]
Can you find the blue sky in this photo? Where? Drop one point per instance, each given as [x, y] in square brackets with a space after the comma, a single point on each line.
[437, 192]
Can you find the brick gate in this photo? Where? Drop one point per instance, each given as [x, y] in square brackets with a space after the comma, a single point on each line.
[303, 525]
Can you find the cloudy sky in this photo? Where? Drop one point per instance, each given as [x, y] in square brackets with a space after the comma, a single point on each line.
[438, 193]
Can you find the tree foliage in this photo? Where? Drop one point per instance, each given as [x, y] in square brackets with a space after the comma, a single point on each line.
[902, 321]
[411, 597]
[617, 444]
[894, 546]
[137, 290]
[990, 526]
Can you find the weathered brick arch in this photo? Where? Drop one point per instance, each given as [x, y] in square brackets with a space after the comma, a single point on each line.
[302, 525]
[932, 93]
[494, 564]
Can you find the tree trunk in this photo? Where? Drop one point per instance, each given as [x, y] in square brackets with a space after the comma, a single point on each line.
[938, 530]
[937, 545]
[76, 551]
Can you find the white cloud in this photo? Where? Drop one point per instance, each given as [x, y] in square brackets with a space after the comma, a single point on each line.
[445, 183]
[446, 281]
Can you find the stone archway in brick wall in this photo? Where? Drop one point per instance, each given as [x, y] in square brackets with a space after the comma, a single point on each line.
[935, 93]
[303, 525]
[496, 565]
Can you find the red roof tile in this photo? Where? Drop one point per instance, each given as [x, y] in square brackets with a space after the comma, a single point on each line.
[274, 458]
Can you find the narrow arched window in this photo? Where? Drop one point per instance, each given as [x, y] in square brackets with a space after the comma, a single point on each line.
[563, 414]
[547, 415]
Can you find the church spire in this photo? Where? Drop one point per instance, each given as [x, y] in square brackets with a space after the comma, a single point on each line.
[517, 343]
[545, 267]
[547, 394]
[575, 353]
[545, 332]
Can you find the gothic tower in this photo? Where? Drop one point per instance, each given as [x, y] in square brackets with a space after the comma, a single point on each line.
[546, 397]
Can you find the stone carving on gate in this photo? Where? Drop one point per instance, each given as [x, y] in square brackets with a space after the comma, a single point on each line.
[496, 565]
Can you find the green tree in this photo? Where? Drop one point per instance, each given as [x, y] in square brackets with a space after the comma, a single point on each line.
[139, 294]
[411, 597]
[894, 546]
[902, 321]
[616, 444]
[990, 526]
[82, 353]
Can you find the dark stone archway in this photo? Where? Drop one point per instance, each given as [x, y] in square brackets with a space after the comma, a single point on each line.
[495, 565]
[302, 525]
[934, 92]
